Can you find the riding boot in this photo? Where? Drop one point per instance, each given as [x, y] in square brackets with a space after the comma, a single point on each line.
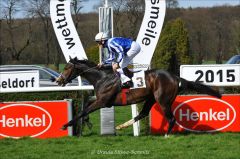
[129, 74]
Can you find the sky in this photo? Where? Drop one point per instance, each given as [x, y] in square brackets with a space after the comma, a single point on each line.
[207, 3]
[88, 6]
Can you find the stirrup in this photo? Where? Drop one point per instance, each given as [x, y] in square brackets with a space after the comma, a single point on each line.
[127, 84]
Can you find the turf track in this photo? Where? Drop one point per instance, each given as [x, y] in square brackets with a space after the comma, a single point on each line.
[124, 145]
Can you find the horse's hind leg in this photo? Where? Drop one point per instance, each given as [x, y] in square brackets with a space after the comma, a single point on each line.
[144, 112]
[165, 93]
[165, 101]
[170, 117]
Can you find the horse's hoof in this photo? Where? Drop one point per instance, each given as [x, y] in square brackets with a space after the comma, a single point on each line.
[118, 128]
[166, 136]
[64, 128]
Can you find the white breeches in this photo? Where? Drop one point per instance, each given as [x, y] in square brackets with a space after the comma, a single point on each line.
[132, 52]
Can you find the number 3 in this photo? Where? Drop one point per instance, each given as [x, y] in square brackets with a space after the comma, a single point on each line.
[140, 81]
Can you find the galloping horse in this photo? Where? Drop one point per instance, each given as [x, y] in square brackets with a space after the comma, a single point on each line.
[161, 87]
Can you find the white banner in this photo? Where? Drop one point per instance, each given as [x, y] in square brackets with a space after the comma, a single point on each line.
[217, 75]
[65, 30]
[149, 32]
[19, 81]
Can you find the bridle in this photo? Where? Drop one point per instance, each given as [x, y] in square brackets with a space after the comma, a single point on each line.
[71, 76]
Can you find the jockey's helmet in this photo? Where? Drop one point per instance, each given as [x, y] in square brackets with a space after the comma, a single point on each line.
[101, 36]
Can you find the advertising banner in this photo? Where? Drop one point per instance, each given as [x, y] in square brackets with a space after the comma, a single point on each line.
[40, 119]
[69, 41]
[24, 80]
[149, 32]
[67, 35]
[200, 114]
[218, 75]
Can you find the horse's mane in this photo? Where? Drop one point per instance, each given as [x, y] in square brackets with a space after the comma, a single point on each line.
[84, 61]
[91, 64]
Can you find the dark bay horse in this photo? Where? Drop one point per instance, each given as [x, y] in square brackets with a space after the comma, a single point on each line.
[161, 87]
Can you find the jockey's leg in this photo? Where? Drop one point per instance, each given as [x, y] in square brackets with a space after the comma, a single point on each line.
[127, 72]
[123, 76]
[126, 76]
[126, 81]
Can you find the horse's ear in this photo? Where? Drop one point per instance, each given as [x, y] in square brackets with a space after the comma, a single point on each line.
[75, 58]
[70, 57]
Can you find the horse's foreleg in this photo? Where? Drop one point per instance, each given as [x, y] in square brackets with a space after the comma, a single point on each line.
[144, 112]
[103, 97]
[92, 107]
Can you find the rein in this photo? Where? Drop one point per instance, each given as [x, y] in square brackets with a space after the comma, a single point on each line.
[73, 74]
[91, 68]
[74, 66]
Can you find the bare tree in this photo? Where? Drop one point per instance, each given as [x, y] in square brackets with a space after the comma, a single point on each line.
[118, 7]
[134, 15]
[236, 36]
[41, 9]
[128, 14]
[222, 29]
[172, 3]
[76, 8]
[10, 7]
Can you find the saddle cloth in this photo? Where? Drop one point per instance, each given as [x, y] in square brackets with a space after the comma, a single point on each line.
[139, 80]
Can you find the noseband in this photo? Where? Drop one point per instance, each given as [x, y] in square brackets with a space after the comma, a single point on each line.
[71, 76]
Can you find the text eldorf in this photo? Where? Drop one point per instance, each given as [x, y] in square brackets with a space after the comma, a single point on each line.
[19, 80]
[16, 83]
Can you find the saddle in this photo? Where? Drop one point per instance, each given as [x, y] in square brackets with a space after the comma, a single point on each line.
[133, 75]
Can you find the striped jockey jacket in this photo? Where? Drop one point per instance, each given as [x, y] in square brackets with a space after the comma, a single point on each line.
[117, 47]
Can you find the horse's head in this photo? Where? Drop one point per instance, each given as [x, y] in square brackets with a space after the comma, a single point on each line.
[73, 69]
[69, 73]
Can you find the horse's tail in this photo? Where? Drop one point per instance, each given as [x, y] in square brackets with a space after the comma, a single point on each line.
[199, 87]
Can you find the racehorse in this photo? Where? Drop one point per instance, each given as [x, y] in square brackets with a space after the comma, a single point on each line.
[161, 87]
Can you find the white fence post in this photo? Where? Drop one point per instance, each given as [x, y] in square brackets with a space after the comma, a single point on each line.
[136, 125]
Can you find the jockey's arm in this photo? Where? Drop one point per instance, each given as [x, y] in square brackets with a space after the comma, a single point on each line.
[110, 58]
[118, 50]
[120, 57]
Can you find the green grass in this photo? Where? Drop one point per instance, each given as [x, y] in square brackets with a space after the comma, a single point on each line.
[124, 145]
[195, 146]
[122, 114]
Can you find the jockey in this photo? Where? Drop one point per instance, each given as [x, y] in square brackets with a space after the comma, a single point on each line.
[121, 52]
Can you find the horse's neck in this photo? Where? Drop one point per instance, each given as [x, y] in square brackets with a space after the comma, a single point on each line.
[92, 75]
